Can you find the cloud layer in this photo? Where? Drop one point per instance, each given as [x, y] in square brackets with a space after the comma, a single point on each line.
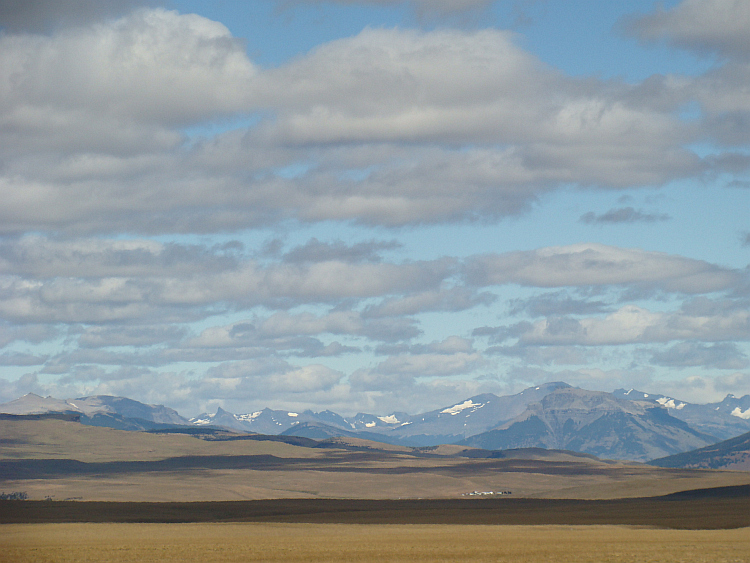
[141, 149]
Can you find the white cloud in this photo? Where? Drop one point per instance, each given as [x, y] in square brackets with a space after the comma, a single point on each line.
[90, 127]
[596, 264]
[87, 280]
[272, 377]
[632, 324]
[153, 66]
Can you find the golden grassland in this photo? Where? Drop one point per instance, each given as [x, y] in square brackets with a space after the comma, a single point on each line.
[115, 465]
[37, 439]
[207, 543]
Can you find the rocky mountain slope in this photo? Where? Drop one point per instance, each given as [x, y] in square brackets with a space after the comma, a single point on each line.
[724, 419]
[596, 423]
[630, 425]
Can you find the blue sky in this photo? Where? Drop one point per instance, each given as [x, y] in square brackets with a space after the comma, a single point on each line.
[373, 205]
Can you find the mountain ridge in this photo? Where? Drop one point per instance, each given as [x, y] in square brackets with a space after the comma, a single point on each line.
[630, 425]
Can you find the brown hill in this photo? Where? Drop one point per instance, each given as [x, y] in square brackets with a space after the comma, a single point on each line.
[64, 459]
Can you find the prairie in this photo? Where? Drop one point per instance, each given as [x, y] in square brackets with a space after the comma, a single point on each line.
[66, 460]
[208, 543]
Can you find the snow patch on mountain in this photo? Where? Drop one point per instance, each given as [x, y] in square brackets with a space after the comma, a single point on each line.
[390, 419]
[201, 421]
[455, 409]
[738, 413]
[670, 404]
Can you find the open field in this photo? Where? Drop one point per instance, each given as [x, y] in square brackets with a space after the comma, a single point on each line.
[727, 507]
[62, 543]
[348, 502]
[66, 460]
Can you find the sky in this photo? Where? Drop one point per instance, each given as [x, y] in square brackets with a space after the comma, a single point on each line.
[373, 205]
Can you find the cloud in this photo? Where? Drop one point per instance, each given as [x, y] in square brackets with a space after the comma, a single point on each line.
[623, 215]
[151, 67]
[271, 377]
[32, 333]
[710, 27]
[281, 329]
[722, 355]
[422, 7]
[702, 389]
[546, 355]
[451, 299]
[317, 251]
[594, 264]
[93, 281]
[21, 359]
[555, 304]
[47, 15]
[93, 118]
[137, 335]
[703, 26]
[587, 378]
[632, 324]
[449, 357]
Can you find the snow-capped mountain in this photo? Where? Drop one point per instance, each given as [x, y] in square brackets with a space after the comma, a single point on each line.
[625, 424]
[266, 421]
[725, 419]
[471, 416]
[596, 423]
[373, 423]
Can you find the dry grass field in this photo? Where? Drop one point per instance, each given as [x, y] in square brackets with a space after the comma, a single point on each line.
[314, 503]
[208, 543]
[66, 460]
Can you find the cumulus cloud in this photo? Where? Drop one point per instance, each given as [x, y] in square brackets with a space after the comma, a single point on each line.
[153, 66]
[105, 129]
[97, 114]
[92, 281]
[710, 27]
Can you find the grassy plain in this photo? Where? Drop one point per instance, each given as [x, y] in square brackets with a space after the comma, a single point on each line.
[327, 515]
[208, 543]
[66, 460]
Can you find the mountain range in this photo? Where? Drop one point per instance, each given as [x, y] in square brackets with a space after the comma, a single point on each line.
[626, 424]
